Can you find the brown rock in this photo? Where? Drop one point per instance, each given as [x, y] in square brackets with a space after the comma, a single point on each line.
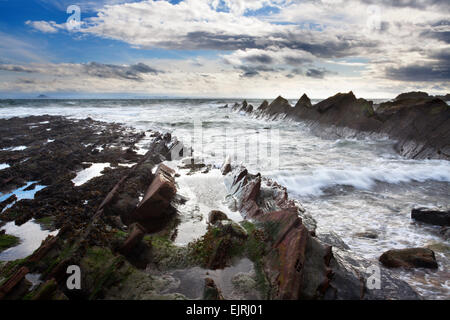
[215, 216]
[46, 290]
[226, 166]
[263, 105]
[278, 106]
[45, 247]
[211, 291]
[303, 102]
[409, 258]
[412, 95]
[284, 263]
[157, 197]
[134, 237]
[12, 282]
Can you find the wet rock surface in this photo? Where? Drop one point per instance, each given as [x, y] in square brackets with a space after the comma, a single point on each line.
[88, 217]
[295, 262]
[432, 216]
[420, 123]
[409, 258]
[119, 228]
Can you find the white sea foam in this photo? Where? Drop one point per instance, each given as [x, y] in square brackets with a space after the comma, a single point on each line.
[205, 192]
[18, 148]
[313, 182]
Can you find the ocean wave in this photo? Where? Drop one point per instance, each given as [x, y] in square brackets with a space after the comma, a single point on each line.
[314, 182]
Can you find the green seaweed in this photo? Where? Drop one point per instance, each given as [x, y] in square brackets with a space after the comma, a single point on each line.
[47, 223]
[8, 241]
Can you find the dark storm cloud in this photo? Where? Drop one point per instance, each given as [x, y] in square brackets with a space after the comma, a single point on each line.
[294, 61]
[14, 68]
[294, 72]
[435, 33]
[259, 58]
[252, 71]
[132, 72]
[316, 73]
[427, 72]
[335, 47]
[436, 70]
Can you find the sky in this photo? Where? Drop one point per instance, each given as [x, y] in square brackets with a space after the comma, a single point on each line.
[223, 48]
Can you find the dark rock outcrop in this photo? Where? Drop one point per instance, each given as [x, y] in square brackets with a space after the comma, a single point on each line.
[412, 95]
[215, 216]
[421, 127]
[303, 102]
[12, 284]
[211, 292]
[135, 236]
[409, 258]
[296, 263]
[152, 211]
[263, 106]
[431, 216]
[279, 106]
[420, 123]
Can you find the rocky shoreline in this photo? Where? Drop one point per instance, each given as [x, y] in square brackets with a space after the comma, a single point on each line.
[119, 227]
[418, 122]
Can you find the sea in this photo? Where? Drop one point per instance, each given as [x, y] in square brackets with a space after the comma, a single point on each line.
[350, 184]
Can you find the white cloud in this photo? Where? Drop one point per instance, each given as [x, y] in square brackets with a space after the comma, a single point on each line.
[389, 37]
[44, 26]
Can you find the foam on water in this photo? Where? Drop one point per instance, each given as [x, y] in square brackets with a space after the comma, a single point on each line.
[4, 166]
[312, 182]
[205, 192]
[18, 148]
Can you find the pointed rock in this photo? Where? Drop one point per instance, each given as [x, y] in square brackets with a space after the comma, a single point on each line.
[263, 106]
[340, 99]
[279, 106]
[303, 102]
